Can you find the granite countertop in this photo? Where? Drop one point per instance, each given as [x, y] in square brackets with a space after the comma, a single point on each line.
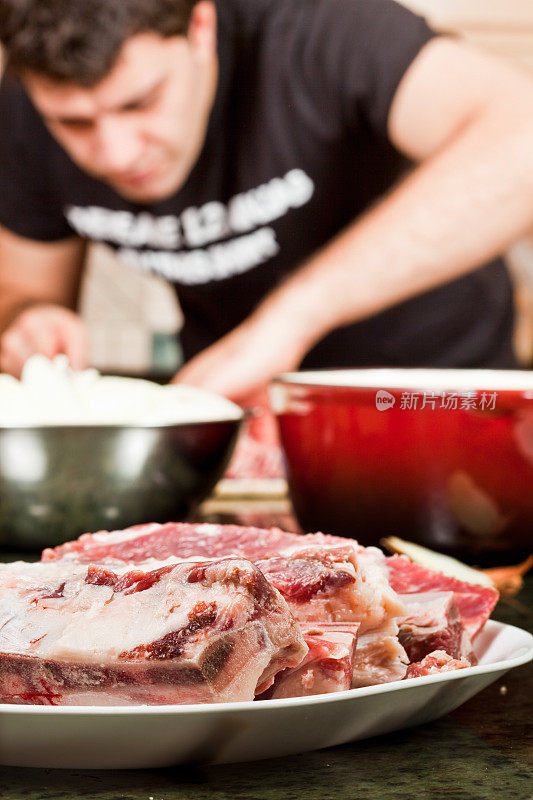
[484, 750]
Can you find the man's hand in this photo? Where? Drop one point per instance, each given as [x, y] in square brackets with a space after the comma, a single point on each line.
[39, 282]
[241, 363]
[46, 329]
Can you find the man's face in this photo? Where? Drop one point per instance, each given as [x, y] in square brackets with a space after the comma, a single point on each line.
[142, 127]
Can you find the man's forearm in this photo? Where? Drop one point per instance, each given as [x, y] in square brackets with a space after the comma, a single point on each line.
[35, 273]
[452, 214]
[11, 305]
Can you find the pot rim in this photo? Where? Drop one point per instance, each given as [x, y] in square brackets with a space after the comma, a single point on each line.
[412, 379]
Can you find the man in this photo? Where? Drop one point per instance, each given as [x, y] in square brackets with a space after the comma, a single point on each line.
[240, 149]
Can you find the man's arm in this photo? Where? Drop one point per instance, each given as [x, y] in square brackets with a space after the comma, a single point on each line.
[468, 118]
[39, 284]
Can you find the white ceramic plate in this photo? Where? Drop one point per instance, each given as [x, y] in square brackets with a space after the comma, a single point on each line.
[158, 736]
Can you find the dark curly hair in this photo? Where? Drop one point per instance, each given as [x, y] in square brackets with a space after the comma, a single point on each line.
[79, 40]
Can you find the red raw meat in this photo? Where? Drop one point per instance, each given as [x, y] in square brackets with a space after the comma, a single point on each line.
[435, 663]
[187, 540]
[331, 584]
[301, 577]
[379, 656]
[258, 452]
[72, 634]
[323, 578]
[434, 623]
[327, 667]
[475, 603]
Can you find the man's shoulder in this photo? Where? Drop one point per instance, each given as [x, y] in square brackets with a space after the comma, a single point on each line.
[252, 14]
[16, 109]
[305, 25]
[12, 91]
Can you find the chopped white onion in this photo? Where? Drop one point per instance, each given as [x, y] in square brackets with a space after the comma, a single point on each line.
[50, 393]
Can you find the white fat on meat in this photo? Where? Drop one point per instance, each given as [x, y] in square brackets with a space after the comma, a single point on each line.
[382, 602]
[379, 657]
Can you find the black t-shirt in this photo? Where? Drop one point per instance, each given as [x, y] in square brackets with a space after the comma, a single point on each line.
[296, 149]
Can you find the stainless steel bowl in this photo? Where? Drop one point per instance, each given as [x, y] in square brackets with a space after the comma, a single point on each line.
[58, 482]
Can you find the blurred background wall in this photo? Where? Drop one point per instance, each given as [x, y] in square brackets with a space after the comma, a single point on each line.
[503, 27]
[133, 319]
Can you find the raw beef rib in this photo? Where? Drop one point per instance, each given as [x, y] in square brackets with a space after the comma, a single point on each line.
[323, 578]
[73, 634]
[186, 540]
[435, 663]
[326, 580]
[327, 667]
[433, 623]
[474, 602]
[379, 657]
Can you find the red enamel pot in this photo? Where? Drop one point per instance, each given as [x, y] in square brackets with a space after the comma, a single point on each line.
[440, 457]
